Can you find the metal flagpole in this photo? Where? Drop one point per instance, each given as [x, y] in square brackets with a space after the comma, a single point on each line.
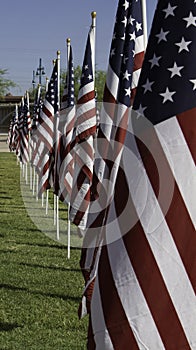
[93, 26]
[68, 206]
[47, 191]
[56, 142]
[144, 18]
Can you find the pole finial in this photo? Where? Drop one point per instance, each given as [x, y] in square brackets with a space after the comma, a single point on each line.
[93, 14]
[68, 40]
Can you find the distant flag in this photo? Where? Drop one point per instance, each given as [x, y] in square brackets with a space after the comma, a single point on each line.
[85, 131]
[144, 292]
[35, 145]
[65, 161]
[37, 108]
[23, 130]
[12, 134]
[46, 132]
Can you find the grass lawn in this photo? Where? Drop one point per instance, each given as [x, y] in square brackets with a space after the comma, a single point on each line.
[40, 288]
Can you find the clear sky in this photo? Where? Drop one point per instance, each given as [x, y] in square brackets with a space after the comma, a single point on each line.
[36, 29]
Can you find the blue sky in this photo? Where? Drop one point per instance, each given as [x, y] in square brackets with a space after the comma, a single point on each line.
[37, 29]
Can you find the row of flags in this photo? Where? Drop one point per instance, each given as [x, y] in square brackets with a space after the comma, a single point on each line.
[130, 182]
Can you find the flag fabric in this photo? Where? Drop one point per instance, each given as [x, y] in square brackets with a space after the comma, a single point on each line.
[65, 161]
[38, 102]
[24, 124]
[37, 108]
[85, 131]
[12, 134]
[45, 134]
[125, 61]
[144, 291]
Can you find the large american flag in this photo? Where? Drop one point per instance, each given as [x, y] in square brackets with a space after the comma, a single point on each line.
[44, 152]
[144, 292]
[125, 61]
[85, 131]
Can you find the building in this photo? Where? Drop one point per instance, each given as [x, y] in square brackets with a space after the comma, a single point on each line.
[7, 107]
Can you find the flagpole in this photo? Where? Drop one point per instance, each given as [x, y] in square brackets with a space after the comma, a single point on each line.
[56, 142]
[144, 18]
[47, 191]
[68, 206]
[93, 26]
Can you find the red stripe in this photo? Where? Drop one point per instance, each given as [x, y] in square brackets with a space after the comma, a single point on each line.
[138, 61]
[86, 98]
[187, 121]
[86, 133]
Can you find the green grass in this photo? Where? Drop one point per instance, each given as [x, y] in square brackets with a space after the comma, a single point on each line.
[40, 289]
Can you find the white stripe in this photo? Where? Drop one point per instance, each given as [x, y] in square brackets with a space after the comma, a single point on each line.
[136, 75]
[112, 81]
[181, 162]
[85, 90]
[101, 335]
[49, 107]
[139, 44]
[163, 247]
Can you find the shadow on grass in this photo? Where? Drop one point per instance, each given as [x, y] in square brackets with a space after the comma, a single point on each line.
[44, 245]
[7, 327]
[51, 267]
[51, 295]
[5, 197]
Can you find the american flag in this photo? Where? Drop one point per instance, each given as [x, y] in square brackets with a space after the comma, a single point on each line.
[12, 134]
[85, 131]
[65, 161]
[24, 125]
[37, 108]
[45, 134]
[144, 292]
[125, 61]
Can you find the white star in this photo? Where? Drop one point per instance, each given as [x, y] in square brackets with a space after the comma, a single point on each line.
[86, 67]
[128, 91]
[126, 75]
[190, 20]
[175, 70]
[167, 95]
[114, 36]
[124, 21]
[131, 20]
[147, 86]
[140, 111]
[162, 35]
[132, 36]
[126, 5]
[89, 76]
[169, 11]
[138, 26]
[125, 59]
[155, 61]
[112, 53]
[183, 45]
[193, 80]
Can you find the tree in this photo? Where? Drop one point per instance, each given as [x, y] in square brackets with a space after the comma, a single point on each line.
[5, 84]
